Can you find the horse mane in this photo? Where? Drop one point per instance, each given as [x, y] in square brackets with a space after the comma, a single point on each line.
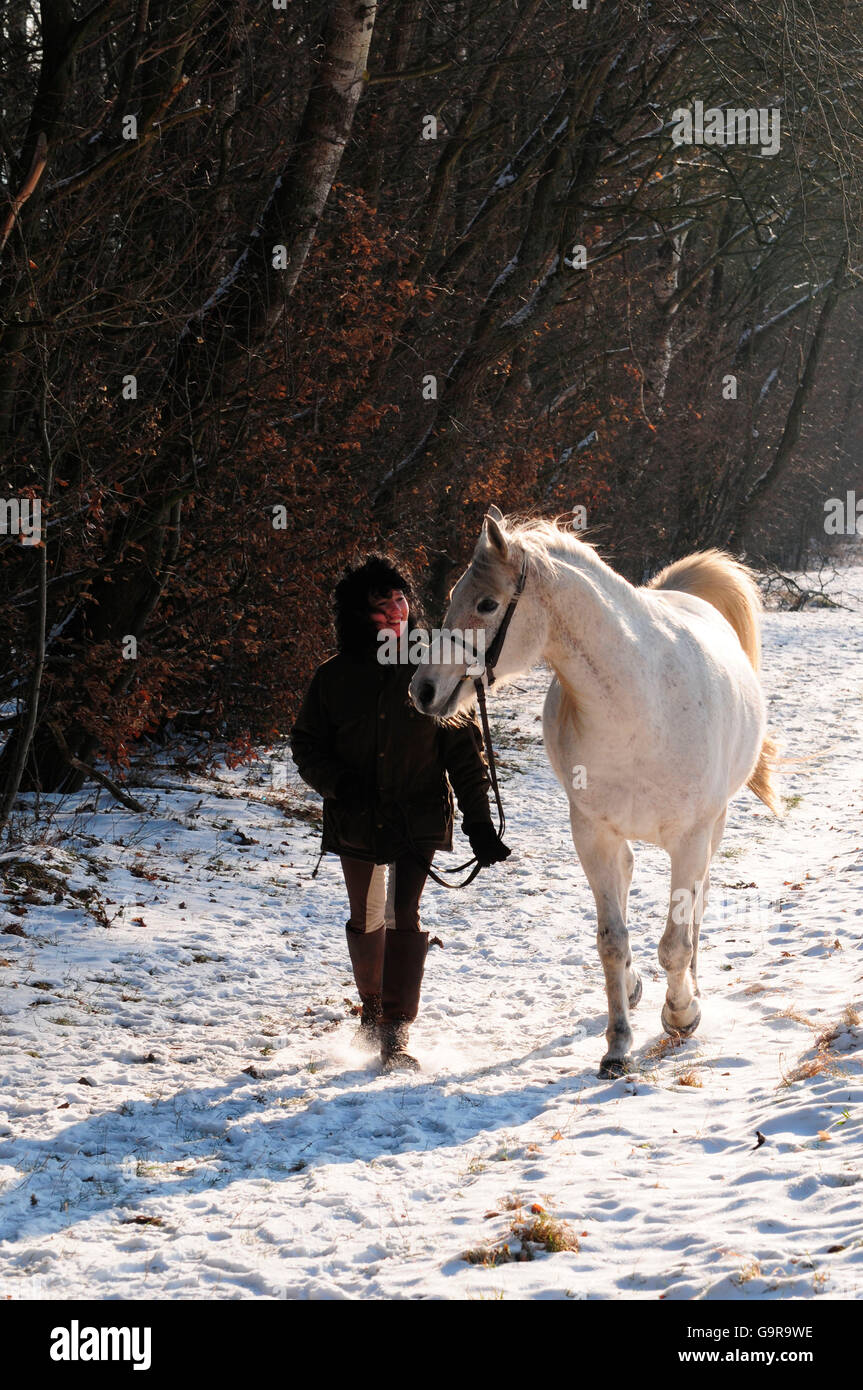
[537, 538]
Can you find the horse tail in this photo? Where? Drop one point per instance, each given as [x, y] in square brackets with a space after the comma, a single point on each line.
[727, 584]
[761, 781]
[730, 587]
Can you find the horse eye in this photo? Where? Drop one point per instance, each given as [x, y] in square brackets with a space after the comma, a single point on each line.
[486, 605]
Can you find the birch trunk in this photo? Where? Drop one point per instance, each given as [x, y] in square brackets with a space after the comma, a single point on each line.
[257, 291]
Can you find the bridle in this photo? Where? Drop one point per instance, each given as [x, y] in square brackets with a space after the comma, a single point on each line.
[494, 651]
[491, 660]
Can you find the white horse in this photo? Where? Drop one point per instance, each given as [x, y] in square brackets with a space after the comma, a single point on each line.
[654, 719]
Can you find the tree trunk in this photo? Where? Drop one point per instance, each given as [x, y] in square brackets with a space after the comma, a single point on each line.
[766, 481]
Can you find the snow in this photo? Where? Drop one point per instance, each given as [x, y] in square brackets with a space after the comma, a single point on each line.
[522, 315]
[778, 318]
[507, 272]
[507, 176]
[183, 1112]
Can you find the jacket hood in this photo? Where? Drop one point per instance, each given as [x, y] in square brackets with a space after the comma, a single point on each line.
[356, 633]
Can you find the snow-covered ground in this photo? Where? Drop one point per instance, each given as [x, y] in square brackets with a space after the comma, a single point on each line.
[183, 1114]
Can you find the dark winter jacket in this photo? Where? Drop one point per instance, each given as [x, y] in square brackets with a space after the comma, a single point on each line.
[376, 760]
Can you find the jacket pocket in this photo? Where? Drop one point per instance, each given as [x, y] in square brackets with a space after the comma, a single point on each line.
[352, 829]
[430, 817]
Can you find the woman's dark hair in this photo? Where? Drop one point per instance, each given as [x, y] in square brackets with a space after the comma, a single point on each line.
[356, 634]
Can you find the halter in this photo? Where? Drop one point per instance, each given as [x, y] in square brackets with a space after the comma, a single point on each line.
[499, 638]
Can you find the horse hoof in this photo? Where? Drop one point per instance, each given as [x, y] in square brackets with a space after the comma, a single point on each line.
[636, 993]
[612, 1067]
[685, 1030]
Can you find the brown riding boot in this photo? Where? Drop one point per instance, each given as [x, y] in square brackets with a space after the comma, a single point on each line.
[366, 950]
[404, 963]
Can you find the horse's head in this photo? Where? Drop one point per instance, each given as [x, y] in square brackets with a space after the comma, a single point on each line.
[443, 683]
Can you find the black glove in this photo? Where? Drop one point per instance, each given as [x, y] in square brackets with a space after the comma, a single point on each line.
[486, 844]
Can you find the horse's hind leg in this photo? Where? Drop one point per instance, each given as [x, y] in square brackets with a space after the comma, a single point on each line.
[633, 979]
[716, 836]
[607, 862]
[681, 1011]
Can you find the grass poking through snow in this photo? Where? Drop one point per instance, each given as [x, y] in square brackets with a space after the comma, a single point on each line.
[538, 1233]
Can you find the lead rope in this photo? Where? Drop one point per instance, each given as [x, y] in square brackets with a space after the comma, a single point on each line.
[501, 818]
[491, 661]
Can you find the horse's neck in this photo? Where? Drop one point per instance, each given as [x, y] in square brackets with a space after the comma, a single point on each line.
[596, 621]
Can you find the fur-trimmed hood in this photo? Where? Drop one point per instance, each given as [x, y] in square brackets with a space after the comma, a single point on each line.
[356, 633]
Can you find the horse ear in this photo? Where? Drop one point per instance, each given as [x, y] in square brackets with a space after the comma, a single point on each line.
[494, 512]
[493, 534]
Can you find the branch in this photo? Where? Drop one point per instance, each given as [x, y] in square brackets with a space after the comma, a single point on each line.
[129, 148]
[94, 773]
[37, 168]
[374, 79]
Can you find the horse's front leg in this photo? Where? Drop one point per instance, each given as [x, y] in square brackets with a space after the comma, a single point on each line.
[681, 1012]
[607, 862]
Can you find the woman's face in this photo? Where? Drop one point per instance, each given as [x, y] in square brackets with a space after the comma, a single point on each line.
[389, 612]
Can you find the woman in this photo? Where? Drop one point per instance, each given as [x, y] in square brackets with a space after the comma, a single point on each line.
[385, 772]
